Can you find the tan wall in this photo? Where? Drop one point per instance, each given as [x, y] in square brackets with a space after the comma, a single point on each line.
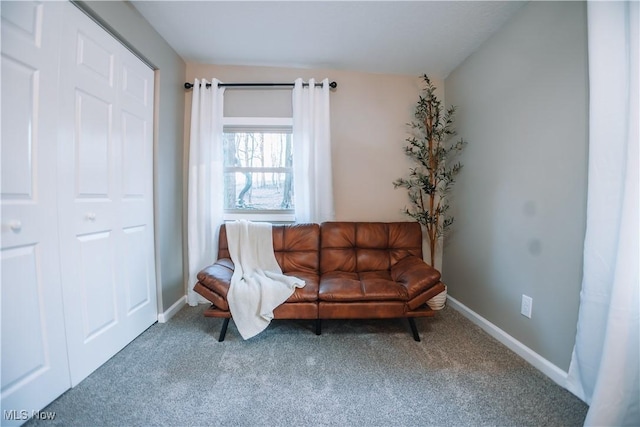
[368, 117]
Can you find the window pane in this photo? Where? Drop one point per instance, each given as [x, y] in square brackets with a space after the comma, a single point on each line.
[257, 149]
[258, 190]
[258, 169]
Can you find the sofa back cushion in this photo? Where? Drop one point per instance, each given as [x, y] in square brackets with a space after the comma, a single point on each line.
[367, 246]
[295, 246]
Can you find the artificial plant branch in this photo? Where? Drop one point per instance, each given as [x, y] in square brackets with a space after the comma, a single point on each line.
[433, 177]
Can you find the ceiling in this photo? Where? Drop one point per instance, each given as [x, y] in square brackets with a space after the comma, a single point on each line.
[395, 37]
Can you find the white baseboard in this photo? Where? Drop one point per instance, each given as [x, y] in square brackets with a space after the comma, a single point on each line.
[543, 365]
[171, 311]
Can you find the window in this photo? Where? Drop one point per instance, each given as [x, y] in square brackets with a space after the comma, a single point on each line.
[258, 169]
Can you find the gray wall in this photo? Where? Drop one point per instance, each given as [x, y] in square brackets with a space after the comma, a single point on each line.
[168, 173]
[520, 201]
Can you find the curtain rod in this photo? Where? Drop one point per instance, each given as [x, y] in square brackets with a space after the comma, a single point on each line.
[188, 85]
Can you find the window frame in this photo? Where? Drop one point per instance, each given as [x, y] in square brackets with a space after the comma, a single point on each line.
[249, 124]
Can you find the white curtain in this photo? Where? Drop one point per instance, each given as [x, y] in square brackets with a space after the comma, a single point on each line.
[206, 191]
[604, 369]
[312, 152]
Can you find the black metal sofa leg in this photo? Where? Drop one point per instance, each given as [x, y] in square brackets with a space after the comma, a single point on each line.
[317, 326]
[223, 331]
[414, 330]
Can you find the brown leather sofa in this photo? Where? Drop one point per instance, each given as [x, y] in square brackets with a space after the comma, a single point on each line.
[352, 270]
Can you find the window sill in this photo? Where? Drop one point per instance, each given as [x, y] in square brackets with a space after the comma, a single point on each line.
[261, 217]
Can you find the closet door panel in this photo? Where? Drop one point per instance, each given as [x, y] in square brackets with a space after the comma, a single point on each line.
[98, 284]
[19, 94]
[93, 143]
[88, 145]
[138, 280]
[34, 354]
[105, 203]
[21, 302]
[95, 57]
[136, 120]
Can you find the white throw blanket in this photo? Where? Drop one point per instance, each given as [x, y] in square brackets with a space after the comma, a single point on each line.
[257, 285]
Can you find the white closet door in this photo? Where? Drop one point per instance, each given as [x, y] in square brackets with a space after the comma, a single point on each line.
[34, 350]
[105, 194]
[137, 256]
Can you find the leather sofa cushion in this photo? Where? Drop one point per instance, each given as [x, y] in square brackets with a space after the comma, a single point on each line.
[415, 275]
[309, 292]
[367, 246]
[217, 278]
[365, 286]
[295, 247]
[296, 251]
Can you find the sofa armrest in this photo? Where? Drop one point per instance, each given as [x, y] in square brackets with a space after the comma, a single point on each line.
[415, 275]
[217, 277]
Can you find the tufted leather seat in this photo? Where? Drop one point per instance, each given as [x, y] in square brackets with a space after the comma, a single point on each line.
[351, 270]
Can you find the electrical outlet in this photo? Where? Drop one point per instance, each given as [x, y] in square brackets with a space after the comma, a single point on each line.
[527, 305]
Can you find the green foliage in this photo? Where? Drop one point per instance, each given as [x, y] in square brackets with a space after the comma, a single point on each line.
[431, 147]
